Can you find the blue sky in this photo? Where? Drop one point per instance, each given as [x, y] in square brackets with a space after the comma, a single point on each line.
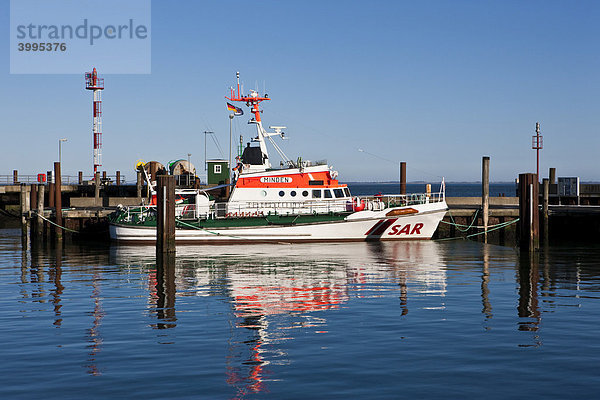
[437, 84]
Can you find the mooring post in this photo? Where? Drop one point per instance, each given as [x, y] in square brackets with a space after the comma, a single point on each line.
[15, 176]
[25, 207]
[118, 178]
[529, 211]
[165, 220]
[403, 177]
[32, 204]
[80, 176]
[40, 210]
[58, 200]
[138, 185]
[552, 176]
[485, 194]
[33, 195]
[51, 194]
[545, 202]
[97, 190]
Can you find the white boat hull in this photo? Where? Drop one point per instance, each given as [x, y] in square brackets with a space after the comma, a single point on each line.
[359, 226]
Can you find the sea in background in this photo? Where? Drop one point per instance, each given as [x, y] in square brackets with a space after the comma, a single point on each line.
[453, 189]
[452, 319]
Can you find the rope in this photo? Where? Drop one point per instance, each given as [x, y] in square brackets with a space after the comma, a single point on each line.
[458, 225]
[55, 224]
[9, 214]
[498, 226]
[217, 233]
[494, 228]
[201, 229]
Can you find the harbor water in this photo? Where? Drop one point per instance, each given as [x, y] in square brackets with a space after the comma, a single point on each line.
[453, 319]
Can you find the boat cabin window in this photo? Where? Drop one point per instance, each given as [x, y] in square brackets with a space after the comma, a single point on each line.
[347, 191]
[305, 193]
[217, 169]
[316, 193]
[293, 193]
[327, 194]
[338, 193]
[281, 193]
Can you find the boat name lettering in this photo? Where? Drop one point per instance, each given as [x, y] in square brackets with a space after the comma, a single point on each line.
[276, 179]
[399, 229]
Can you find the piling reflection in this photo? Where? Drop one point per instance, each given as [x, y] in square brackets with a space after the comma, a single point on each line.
[55, 275]
[165, 291]
[485, 281]
[528, 307]
[94, 336]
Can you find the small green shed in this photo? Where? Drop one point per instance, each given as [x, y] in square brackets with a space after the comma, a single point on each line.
[218, 172]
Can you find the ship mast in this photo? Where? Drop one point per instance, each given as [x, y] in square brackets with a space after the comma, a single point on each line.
[253, 100]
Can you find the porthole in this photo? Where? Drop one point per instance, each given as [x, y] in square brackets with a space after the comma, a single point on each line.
[305, 193]
[281, 193]
[293, 193]
[263, 193]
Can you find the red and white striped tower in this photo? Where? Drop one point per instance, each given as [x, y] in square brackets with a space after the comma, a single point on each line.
[92, 82]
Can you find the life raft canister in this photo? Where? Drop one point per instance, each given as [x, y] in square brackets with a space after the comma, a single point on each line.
[358, 204]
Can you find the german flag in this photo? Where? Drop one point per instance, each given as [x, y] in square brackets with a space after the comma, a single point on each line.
[236, 110]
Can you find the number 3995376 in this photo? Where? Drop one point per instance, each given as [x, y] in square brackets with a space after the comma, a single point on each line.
[42, 46]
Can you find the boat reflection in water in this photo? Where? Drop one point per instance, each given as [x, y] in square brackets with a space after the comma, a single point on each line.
[274, 289]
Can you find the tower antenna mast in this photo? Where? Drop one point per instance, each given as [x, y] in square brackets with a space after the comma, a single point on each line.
[96, 85]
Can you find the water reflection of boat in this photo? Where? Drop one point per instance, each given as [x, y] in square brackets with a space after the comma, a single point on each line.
[281, 288]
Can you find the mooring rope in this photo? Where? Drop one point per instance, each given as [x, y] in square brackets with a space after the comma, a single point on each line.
[492, 228]
[55, 224]
[223, 234]
[496, 227]
[202, 229]
[9, 214]
[459, 225]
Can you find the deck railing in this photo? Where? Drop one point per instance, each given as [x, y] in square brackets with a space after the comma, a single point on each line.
[262, 208]
[6, 180]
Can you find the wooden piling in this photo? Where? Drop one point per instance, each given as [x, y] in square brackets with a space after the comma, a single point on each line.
[552, 175]
[51, 194]
[485, 194]
[33, 195]
[165, 221]
[545, 202]
[58, 200]
[40, 210]
[25, 207]
[138, 185]
[529, 212]
[403, 177]
[80, 177]
[97, 190]
[118, 178]
[15, 177]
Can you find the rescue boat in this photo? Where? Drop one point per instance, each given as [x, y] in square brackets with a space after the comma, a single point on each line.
[300, 201]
